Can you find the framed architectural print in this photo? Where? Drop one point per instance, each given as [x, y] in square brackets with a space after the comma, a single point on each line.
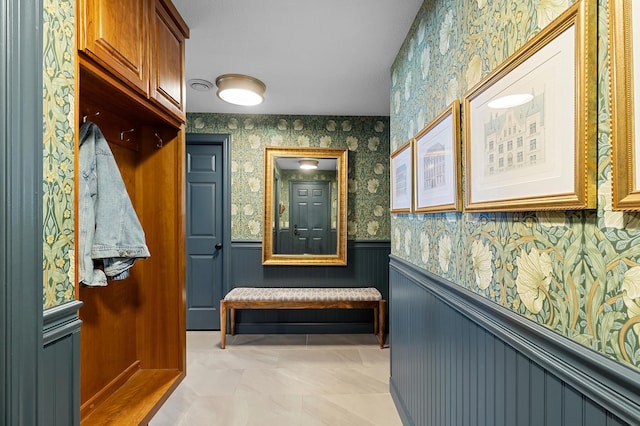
[624, 55]
[530, 125]
[401, 178]
[436, 164]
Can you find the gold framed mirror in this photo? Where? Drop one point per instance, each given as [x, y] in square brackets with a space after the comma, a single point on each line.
[305, 206]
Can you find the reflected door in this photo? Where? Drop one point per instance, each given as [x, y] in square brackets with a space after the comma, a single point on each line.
[204, 236]
[310, 217]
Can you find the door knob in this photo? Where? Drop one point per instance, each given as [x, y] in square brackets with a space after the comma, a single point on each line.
[218, 246]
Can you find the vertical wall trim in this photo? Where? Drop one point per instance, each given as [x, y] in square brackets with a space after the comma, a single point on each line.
[511, 339]
[20, 223]
[4, 220]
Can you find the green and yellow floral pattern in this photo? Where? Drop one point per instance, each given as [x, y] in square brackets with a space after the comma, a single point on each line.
[58, 150]
[576, 272]
[366, 138]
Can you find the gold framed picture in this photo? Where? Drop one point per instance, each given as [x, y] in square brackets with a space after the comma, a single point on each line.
[402, 178]
[530, 125]
[436, 164]
[624, 60]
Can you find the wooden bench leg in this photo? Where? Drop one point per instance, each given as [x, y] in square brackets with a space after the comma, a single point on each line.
[376, 311]
[223, 324]
[233, 321]
[381, 321]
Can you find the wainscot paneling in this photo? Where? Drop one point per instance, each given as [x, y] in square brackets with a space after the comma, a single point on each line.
[460, 359]
[59, 387]
[367, 266]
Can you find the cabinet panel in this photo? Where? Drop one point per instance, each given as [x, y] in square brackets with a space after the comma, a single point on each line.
[167, 80]
[114, 34]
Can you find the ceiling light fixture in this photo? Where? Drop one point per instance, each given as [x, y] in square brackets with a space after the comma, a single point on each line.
[240, 89]
[308, 164]
[510, 101]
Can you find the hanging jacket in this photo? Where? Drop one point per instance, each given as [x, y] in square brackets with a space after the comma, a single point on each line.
[110, 233]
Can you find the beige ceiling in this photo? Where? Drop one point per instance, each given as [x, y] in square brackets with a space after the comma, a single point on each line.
[317, 57]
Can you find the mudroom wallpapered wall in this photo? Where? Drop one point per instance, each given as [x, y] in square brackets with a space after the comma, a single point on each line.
[367, 139]
[577, 272]
[58, 128]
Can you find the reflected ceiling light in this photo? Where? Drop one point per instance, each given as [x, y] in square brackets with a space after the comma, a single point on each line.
[308, 164]
[240, 89]
[510, 101]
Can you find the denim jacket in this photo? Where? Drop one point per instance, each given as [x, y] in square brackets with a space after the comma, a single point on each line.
[109, 230]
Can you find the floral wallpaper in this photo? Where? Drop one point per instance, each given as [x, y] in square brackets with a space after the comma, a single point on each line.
[367, 139]
[58, 150]
[576, 272]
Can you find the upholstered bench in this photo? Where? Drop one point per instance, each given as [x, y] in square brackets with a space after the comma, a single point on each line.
[302, 298]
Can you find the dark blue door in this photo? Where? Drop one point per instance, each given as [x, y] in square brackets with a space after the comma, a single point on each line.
[204, 235]
[310, 215]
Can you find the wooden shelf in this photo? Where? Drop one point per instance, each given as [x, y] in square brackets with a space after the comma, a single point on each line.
[137, 400]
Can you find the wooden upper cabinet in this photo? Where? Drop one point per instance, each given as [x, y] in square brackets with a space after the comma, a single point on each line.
[167, 58]
[138, 45]
[114, 33]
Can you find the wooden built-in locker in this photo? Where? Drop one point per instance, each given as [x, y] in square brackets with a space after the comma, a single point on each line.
[132, 340]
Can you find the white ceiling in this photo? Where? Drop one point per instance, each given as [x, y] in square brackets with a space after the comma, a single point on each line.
[317, 57]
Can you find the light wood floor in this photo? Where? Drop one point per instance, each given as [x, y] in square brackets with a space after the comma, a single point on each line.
[282, 380]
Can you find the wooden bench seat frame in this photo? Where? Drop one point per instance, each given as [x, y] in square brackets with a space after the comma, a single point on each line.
[378, 306]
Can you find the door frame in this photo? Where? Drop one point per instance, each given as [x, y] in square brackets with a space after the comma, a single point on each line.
[21, 275]
[223, 139]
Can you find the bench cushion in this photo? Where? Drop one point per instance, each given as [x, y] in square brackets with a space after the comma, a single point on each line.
[303, 294]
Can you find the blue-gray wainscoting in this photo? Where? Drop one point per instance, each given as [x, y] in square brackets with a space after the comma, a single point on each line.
[59, 387]
[367, 265]
[460, 359]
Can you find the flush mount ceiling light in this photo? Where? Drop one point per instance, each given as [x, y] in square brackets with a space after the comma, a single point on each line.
[239, 89]
[510, 101]
[308, 164]
[200, 85]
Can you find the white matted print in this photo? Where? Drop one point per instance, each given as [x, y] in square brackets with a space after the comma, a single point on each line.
[436, 163]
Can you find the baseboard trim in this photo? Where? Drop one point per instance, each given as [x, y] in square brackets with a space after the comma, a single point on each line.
[399, 402]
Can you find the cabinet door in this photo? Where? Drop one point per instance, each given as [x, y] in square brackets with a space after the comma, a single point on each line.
[167, 77]
[114, 34]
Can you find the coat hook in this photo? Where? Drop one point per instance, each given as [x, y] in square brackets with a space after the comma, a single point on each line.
[159, 144]
[126, 131]
[84, 118]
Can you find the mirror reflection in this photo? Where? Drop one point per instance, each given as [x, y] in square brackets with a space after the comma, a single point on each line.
[305, 206]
